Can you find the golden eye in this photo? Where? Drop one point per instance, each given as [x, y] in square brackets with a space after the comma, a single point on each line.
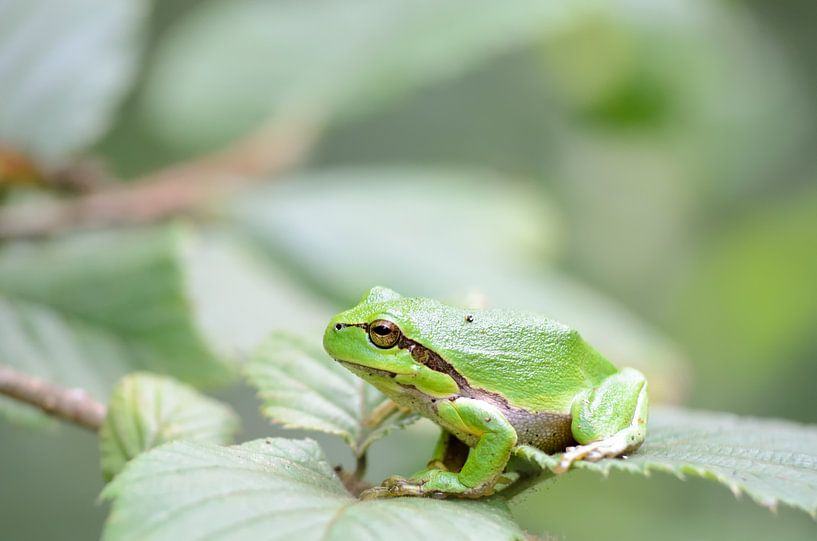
[384, 334]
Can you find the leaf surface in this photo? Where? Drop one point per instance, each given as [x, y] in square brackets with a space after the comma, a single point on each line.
[320, 57]
[302, 387]
[147, 410]
[274, 489]
[771, 461]
[84, 310]
[64, 67]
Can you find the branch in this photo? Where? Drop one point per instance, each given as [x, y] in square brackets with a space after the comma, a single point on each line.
[174, 190]
[77, 177]
[74, 405]
[351, 482]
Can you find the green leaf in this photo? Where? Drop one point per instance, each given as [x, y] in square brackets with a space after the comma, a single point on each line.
[64, 67]
[84, 310]
[495, 219]
[274, 489]
[302, 387]
[147, 410]
[239, 295]
[497, 239]
[772, 461]
[320, 57]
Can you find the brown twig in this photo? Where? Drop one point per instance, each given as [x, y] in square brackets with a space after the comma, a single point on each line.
[74, 177]
[83, 176]
[74, 405]
[353, 484]
[171, 191]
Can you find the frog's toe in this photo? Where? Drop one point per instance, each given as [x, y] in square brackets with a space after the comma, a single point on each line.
[507, 478]
[393, 487]
[393, 481]
[407, 489]
[374, 493]
[592, 452]
[574, 454]
[570, 455]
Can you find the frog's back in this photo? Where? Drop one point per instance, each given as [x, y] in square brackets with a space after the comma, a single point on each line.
[535, 363]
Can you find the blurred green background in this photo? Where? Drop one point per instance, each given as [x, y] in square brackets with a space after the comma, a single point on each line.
[642, 170]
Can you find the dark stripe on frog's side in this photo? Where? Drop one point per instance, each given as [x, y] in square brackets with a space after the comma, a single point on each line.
[429, 358]
[548, 431]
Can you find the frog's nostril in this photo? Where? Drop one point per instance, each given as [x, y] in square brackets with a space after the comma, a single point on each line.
[338, 326]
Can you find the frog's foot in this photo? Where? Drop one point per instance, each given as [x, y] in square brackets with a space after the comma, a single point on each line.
[611, 447]
[396, 486]
[393, 487]
[429, 484]
[608, 420]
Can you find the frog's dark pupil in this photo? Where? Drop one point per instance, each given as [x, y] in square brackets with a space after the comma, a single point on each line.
[338, 326]
[382, 330]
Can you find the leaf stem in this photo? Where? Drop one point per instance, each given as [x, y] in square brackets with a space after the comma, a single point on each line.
[360, 466]
[68, 404]
[172, 191]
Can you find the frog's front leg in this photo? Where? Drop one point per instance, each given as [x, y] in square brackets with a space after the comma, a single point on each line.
[486, 460]
[609, 420]
[449, 454]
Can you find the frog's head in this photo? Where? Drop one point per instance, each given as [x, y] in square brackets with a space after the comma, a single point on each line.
[367, 338]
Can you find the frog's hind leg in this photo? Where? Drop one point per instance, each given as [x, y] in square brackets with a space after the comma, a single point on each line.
[449, 453]
[608, 420]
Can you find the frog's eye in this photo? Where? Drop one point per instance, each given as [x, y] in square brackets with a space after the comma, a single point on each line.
[384, 334]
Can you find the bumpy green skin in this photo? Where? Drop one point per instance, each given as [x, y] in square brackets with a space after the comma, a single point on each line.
[493, 379]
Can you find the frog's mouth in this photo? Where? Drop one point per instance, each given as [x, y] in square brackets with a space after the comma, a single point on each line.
[367, 370]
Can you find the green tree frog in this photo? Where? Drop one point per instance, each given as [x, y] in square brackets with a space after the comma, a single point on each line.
[492, 380]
